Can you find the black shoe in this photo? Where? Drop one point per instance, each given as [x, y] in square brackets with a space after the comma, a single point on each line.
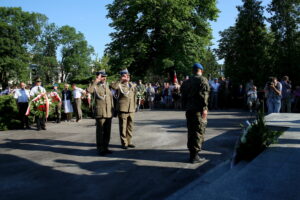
[28, 127]
[38, 129]
[124, 147]
[102, 153]
[44, 128]
[108, 151]
[131, 146]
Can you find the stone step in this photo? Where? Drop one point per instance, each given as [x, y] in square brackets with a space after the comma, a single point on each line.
[222, 171]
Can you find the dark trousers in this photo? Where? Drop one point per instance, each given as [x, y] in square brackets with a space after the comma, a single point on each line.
[40, 122]
[23, 118]
[69, 116]
[196, 129]
[103, 130]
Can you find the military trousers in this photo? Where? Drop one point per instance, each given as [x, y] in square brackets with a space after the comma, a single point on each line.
[126, 127]
[196, 129]
[103, 131]
[58, 111]
[78, 110]
[40, 122]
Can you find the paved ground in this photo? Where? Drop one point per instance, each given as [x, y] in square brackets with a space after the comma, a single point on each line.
[61, 163]
[274, 174]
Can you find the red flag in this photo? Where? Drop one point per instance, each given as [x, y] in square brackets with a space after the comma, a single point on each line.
[175, 77]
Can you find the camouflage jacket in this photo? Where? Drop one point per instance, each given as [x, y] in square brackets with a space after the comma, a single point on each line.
[195, 93]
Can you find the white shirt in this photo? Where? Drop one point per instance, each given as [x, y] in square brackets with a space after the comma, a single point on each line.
[37, 90]
[77, 93]
[215, 87]
[252, 95]
[22, 95]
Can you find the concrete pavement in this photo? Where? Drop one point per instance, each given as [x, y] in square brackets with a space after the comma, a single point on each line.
[62, 163]
[274, 174]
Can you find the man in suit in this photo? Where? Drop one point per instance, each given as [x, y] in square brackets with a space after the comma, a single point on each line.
[103, 111]
[126, 106]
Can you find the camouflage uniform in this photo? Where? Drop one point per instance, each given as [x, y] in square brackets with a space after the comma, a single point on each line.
[195, 93]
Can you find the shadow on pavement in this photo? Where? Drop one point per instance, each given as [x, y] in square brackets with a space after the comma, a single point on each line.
[126, 174]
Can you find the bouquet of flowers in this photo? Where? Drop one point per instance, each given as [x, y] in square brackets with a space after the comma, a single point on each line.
[54, 100]
[39, 105]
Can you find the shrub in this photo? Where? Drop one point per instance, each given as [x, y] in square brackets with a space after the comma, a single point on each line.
[255, 139]
[9, 113]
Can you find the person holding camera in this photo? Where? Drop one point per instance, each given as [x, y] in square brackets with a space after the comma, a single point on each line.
[104, 109]
[273, 91]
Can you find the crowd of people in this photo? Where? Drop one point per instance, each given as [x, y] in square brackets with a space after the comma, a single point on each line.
[121, 99]
[277, 96]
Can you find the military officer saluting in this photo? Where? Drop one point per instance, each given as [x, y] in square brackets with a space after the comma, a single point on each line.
[126, 106]
[103, 111]
[195, 92]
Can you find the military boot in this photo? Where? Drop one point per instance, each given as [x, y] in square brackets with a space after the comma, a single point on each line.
[194, 158]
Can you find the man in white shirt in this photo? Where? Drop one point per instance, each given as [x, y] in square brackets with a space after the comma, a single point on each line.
[77, 94]
[36, 90]
[22, 97]
[252, 100]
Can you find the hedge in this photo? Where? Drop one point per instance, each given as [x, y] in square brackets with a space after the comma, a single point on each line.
[9, 113]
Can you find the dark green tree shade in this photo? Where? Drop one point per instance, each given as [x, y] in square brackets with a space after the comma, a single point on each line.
[285, 29]
[245, 46]
[154, 36]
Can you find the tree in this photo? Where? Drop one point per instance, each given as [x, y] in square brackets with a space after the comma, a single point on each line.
[103, 63]
[228, 51]
[45, 53]
[211, 66]
[285, 27]
[246, 45]
[76, 54]
[153, 36]
[19, 30]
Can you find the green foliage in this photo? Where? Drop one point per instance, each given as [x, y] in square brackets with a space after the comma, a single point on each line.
[154, 36]
[256, 138]
[285, 49]
[18, 32]
[245, 45]
[9, 113]
[248, 47]
[75, 51]
[44, 53]
[211, 66]
[27, 38]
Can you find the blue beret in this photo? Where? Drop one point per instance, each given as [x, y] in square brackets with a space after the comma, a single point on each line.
[198, 66]
[124, 71]
[55, 85]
